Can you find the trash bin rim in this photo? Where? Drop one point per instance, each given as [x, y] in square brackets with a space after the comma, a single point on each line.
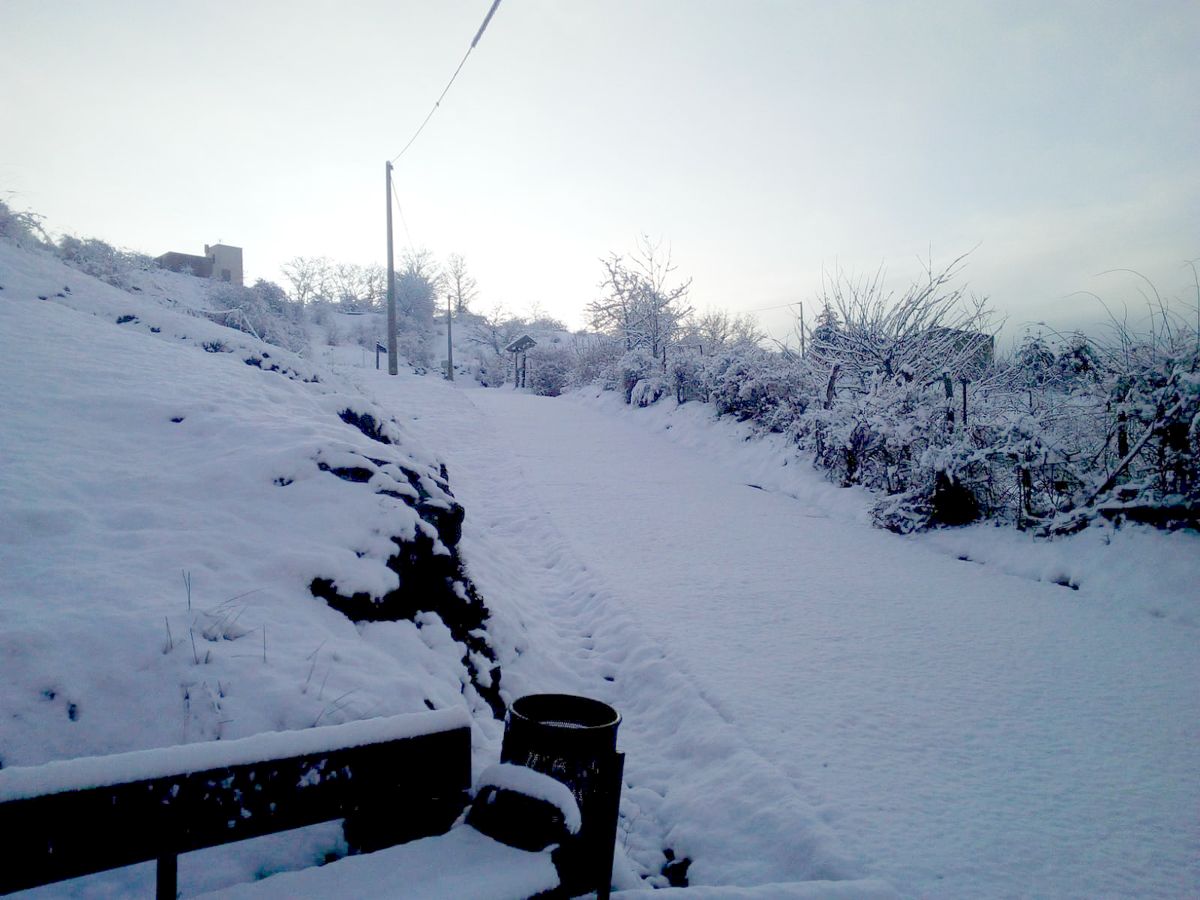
[565, 714]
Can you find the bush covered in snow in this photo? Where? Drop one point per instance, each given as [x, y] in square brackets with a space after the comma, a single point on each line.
[549, 370]
[263, 310]
[23, 229]
[902, 395]
[101, 260]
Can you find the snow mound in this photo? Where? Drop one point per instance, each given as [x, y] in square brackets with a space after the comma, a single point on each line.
[528, 783]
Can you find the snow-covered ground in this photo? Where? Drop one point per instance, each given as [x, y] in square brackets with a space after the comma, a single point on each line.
[872, 704]
[163, 511]
[811, 707]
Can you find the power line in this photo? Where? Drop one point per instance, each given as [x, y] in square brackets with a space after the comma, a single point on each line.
[766, 308]
[437, 103]
[403, 221]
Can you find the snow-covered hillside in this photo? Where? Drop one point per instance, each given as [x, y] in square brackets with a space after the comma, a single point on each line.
[171, 494]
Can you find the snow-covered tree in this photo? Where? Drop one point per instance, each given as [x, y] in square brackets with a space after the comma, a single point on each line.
[309, 278]
[931, 328]
[461, 287]
[640, 306]
[418, 282]
[718, 330]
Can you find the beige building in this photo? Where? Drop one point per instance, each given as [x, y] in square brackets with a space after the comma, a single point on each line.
[220, 262]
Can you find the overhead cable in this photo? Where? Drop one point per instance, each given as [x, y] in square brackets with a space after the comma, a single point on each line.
[437, 103]
[403, 221]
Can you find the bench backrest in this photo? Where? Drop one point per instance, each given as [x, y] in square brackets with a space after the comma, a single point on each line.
[408, 779]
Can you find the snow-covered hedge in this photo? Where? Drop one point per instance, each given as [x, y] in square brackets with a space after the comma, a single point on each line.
[263, 310]
[902, 396]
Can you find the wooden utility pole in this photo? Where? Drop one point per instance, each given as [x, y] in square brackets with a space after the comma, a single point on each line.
[393, 365]
[449, 342]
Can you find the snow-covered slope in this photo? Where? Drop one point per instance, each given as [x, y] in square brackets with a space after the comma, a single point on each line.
[170, 492]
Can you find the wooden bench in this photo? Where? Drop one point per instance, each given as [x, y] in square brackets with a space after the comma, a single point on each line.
[392, 780]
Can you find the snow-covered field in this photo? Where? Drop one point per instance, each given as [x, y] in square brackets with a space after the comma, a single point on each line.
[811, 707]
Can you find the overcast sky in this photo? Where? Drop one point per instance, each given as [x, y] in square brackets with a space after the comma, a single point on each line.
[765, 142]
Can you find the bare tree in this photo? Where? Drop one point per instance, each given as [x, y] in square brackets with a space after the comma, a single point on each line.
[640, 307]
[933, 327]
[346, 283]
[374, 286]
[460, 285]
[308, 277]
[541, 320]
[717, 330]
[616, 312]
[495, 330]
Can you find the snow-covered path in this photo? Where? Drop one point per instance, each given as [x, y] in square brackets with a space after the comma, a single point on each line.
[963, 732]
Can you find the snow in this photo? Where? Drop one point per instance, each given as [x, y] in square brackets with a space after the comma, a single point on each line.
[807, 697]
[527, 782]
[17, 783]
[162, 514]
[803, 890]
[811, 707]
[460, 865]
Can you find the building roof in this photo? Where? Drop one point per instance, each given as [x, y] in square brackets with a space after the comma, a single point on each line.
[179, 262]
[521, 344]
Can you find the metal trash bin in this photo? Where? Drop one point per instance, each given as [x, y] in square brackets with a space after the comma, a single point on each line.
[574, 740]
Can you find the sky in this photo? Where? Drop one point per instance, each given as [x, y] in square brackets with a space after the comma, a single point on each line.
[768, 145]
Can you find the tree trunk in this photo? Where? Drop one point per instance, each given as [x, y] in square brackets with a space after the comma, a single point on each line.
[832, 386]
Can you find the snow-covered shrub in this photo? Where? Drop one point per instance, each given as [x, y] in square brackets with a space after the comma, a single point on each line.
[1034, 360]
[597, 360]
[320, 312]
[687, 377]
[732, 386]
[1077, 362]
[753, 384]
[632, 367]
[648, 391]
[414, 347]
[1152, 397]
[101, 260]
[263, 310]
[1068, 430]
[901, 395]
[22, 228]
[549, 370]
[1087, 428]
[367, 332]
[489, 368]
[946, 495]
